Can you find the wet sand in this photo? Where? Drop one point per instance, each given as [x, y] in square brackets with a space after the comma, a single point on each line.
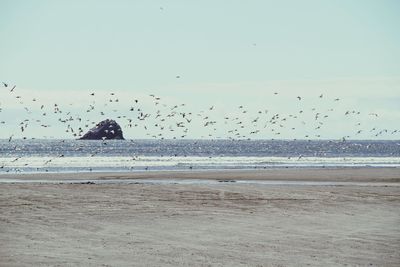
[282, 174]
[222, 224]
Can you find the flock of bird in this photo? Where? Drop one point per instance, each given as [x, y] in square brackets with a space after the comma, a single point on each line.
[166, 121]
[156, 119]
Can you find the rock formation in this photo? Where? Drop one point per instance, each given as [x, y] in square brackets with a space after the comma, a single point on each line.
[104, 130]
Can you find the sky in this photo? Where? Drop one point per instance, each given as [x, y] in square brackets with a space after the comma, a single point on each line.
[212, 56]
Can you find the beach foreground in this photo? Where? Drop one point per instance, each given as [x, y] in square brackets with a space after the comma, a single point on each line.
[224, 224]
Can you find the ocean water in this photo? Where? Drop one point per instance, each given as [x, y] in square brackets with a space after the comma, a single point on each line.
[27, 156]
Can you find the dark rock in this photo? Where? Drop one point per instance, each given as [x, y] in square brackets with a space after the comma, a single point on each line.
[104, 130]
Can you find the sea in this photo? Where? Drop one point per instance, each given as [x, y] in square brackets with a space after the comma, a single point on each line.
[66, 156]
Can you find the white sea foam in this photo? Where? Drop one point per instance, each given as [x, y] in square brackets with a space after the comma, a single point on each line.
[176, 163]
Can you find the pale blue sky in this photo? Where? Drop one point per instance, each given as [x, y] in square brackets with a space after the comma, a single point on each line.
[237, 52]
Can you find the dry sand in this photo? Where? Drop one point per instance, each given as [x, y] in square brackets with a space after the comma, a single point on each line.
[223, 224]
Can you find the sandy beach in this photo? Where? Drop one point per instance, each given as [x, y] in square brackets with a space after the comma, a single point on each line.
[220, 224]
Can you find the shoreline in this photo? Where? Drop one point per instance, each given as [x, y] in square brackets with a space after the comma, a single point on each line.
[343, 174]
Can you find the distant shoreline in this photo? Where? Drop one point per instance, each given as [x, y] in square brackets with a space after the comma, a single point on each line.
[203, 139]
